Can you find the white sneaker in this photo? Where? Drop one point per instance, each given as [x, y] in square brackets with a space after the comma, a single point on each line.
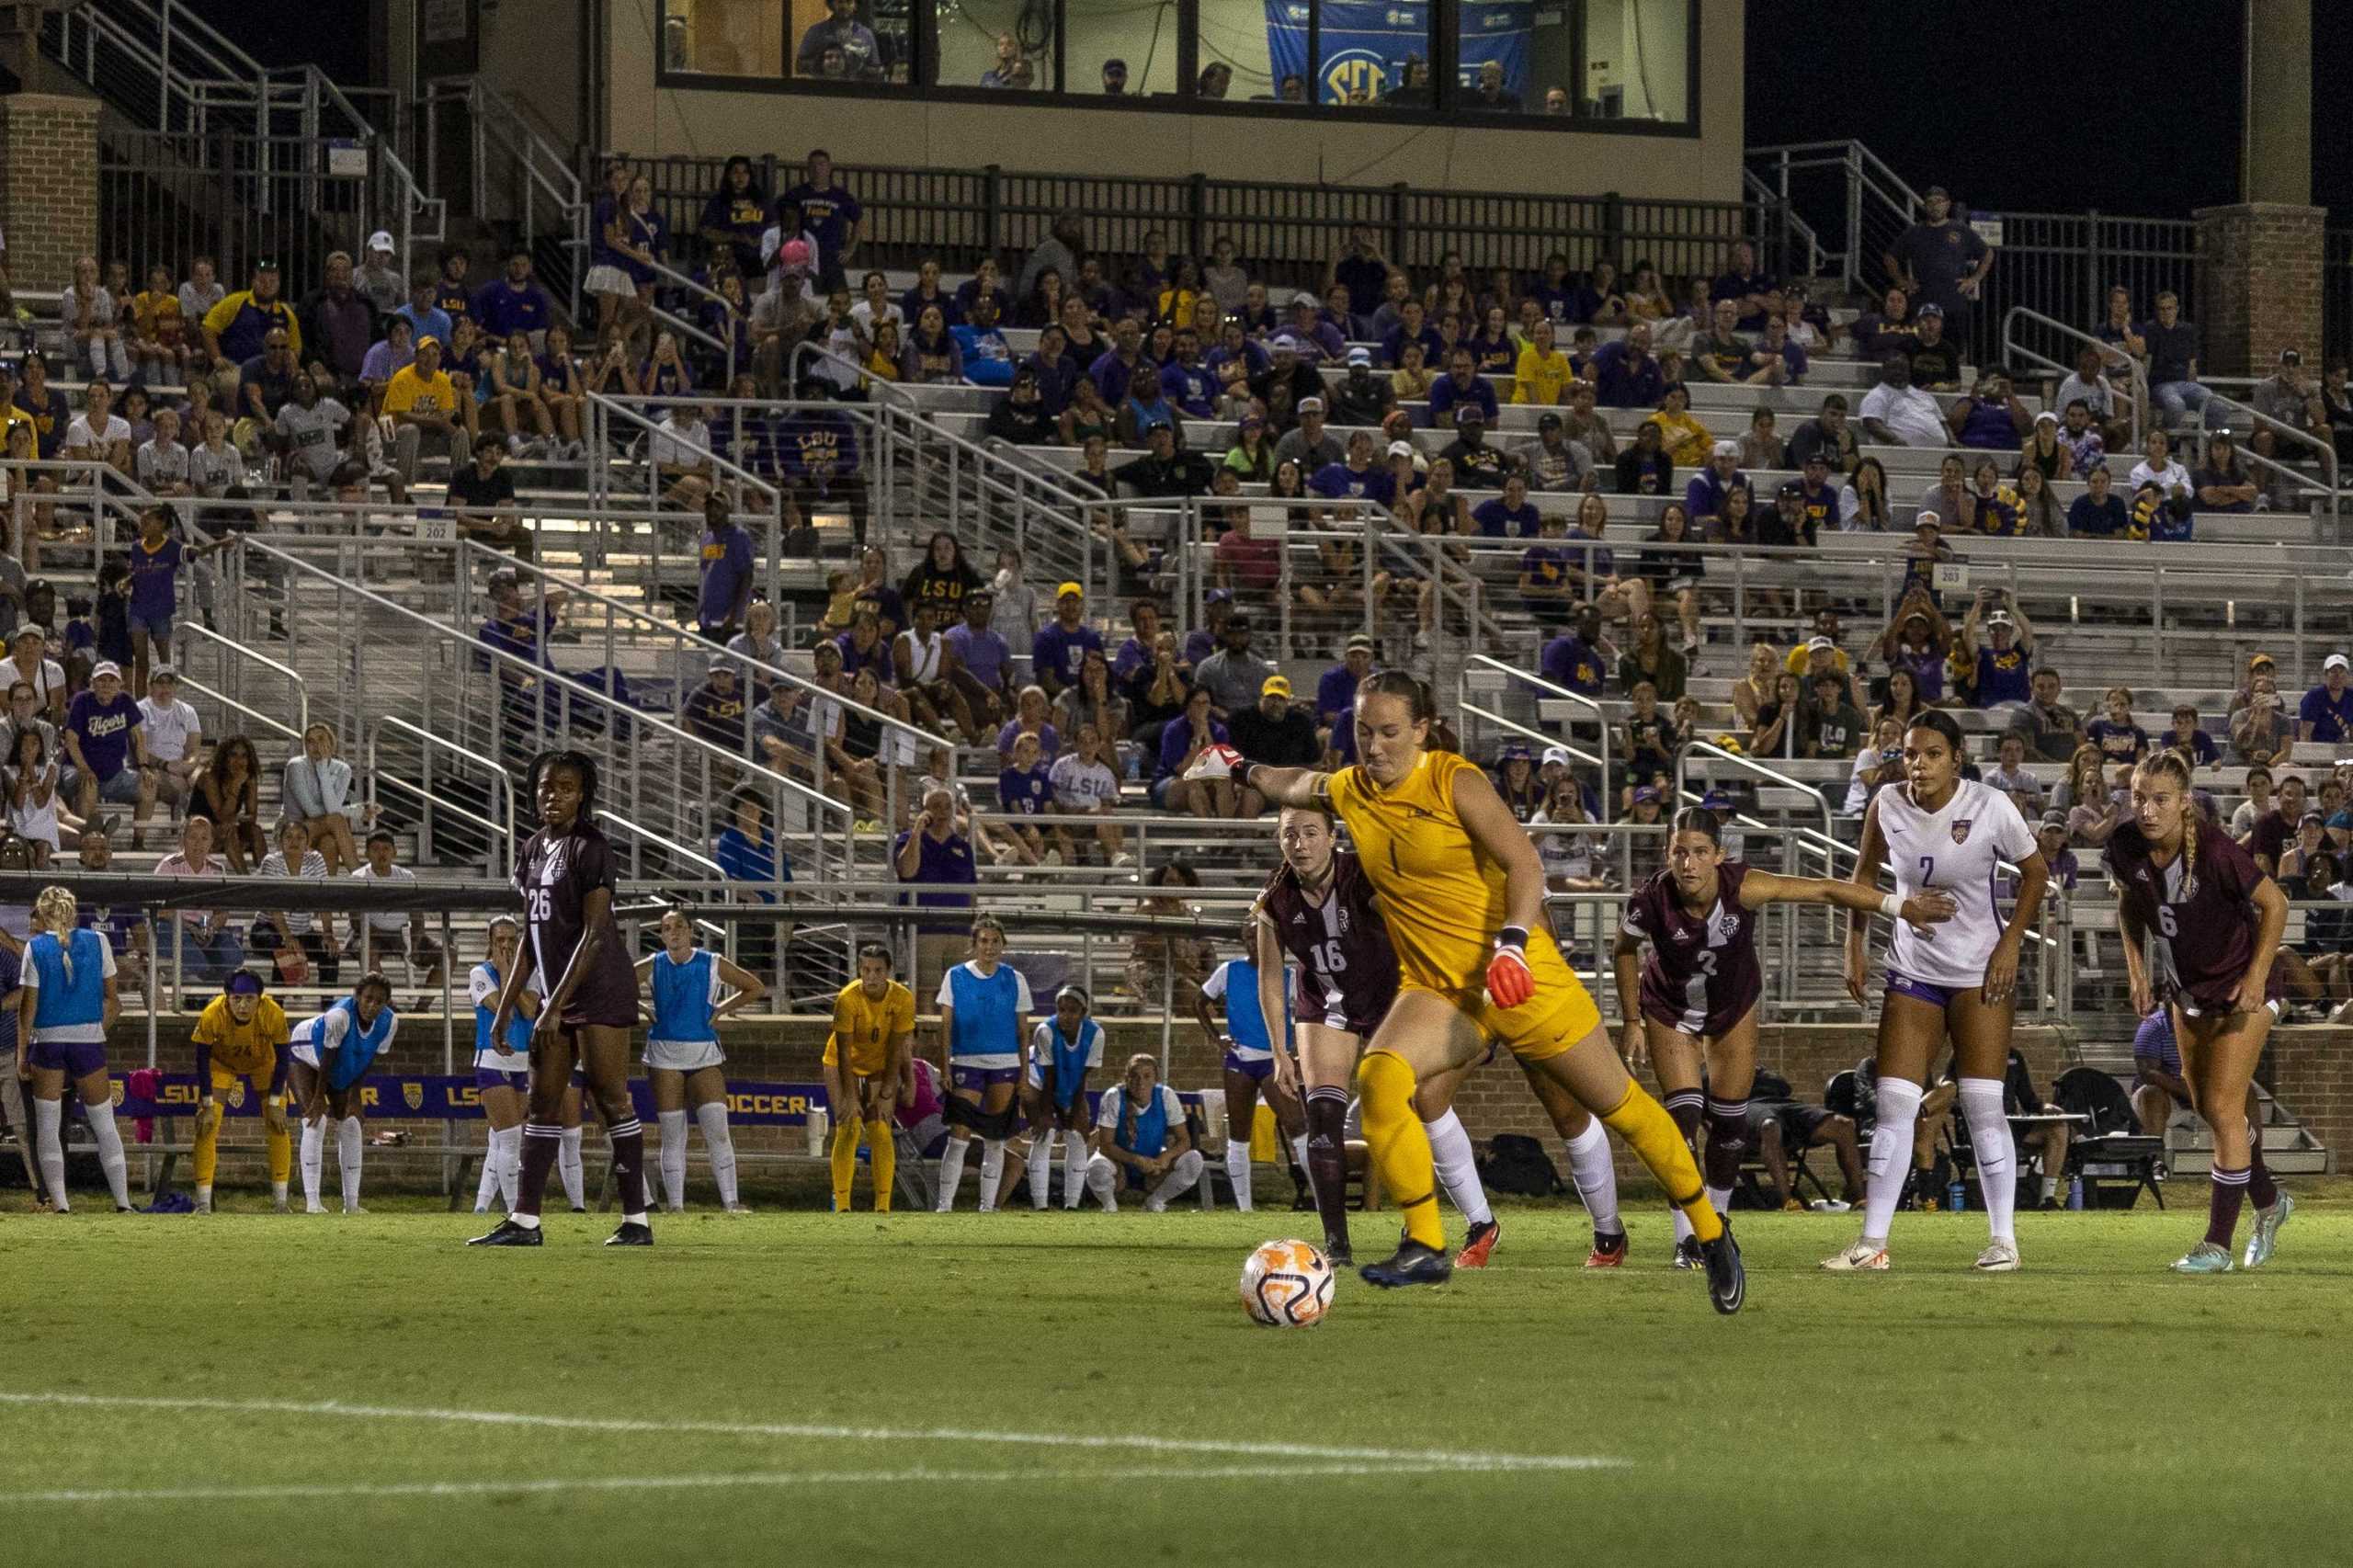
[1999, 1257]
[314, 1209]
[1860, 1258]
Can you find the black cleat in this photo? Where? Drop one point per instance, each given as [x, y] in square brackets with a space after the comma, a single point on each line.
[508, 1234]
[630, 1236]
[1687, 1253]
[1413, 1265]
[1337, 1253]
[1727, 1280]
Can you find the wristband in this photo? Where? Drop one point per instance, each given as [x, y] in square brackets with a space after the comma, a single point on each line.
[1513, 937]
[1891, 905]
[273, 1099]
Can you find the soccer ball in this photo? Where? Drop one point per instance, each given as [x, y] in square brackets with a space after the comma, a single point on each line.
[1285, 1285]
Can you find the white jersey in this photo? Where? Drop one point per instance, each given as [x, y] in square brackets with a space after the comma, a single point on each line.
[1956, 851]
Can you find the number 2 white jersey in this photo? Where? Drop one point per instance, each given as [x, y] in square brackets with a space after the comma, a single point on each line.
[1954, 851]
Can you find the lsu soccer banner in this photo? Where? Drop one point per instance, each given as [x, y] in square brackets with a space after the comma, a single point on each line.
[1367, 43]
[437, 1097]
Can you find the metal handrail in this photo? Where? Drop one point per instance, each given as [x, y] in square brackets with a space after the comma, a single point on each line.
[2263, 421]
[503, 856]
[1600, 714]
[293, 676]
[2013, 348]
[868, 382]
[607, 403]
[1751, 765]
[651, 836]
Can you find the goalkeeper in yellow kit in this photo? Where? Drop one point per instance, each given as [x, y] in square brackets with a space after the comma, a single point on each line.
[241, 1045]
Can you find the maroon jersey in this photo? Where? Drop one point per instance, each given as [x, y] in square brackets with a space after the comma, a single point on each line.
[555, 873]
[1348, 971]
[1703, 976]
[2201, 926]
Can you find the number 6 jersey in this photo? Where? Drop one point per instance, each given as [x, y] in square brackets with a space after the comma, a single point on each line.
[1955, 850]
[2201, 921]
[1348, 971]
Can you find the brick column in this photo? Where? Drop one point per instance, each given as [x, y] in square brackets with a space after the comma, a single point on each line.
[49, 186]
[2259, 285]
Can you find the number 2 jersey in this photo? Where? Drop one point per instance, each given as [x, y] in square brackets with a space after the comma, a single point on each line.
[1955, 850]
[1348, 971]
[2202, 925]
[1702, 975]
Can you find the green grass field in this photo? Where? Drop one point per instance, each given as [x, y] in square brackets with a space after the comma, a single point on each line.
[905, 1389]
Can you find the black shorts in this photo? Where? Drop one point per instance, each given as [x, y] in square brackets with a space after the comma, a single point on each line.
[1799, 1124]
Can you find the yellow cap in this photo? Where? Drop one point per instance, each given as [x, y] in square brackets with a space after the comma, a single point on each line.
[1069, 588]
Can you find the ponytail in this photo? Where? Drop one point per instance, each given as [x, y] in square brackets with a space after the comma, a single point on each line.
[58, 913]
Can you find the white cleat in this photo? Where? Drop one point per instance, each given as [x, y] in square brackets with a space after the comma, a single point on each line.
[1999, 1257]
[1860, 1258]
[739, 1209]
[314, 1209]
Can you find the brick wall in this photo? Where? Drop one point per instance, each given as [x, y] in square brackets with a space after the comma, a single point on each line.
[49, 186]
[2259, 285]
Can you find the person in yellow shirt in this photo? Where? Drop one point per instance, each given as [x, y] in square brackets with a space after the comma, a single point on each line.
[422, 403]
[160, 328]
[1543, 374]
[240, 1043]
[1462, 890]
[1688, 442]
[869, 1056]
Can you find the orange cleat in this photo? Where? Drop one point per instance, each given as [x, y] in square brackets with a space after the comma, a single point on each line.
[1609, 1252]
[1481, 1243]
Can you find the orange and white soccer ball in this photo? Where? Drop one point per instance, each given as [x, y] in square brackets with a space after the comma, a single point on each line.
[1285, 1285]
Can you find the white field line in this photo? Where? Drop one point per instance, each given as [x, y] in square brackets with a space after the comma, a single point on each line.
[1409, 1459]
[127, 1494]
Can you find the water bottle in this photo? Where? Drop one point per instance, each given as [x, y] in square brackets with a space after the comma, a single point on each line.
[2076, 1193]
[1955, 1197]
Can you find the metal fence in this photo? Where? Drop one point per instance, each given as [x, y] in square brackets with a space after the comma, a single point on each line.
[1287, 232]
[2063, 265]
[239, 198]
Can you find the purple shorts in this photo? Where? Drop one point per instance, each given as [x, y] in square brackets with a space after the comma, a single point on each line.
[1920, 990]
[980, 1079]
[490, 1078]
[1261, 1069]
[75, 1059]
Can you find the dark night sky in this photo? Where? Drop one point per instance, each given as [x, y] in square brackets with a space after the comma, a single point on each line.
[1990, 97]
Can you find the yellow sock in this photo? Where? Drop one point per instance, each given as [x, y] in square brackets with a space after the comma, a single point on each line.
[1651, 1133]
[884, 1153]
[844, 1162]
[1400, 1148]
[281, 1154]
[207, 1155]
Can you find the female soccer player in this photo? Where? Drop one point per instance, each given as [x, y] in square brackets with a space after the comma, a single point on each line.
[682, 1054]
[1318, 912]
[502, 1066]
[1063, 1048]
[1938, 831]
[332, 1053]
[1462, 890]
[985, 1010]
[2217, 920]
[65, 1011]
[565, 872]
[870, 1069]
[1249, 1041]
[242, 1034]
[1696, 998]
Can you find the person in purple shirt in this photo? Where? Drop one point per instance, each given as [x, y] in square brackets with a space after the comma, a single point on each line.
[726, 571]
[1319, 340]
[1460, 384]
[513, 303]
[982, 659]
[1625, 374]
[2326, 713]
[1510, 515]
[155, 561]
[1356, 479]
[1117, 365]
[1411, 327]
[1703, 497]
[1579, 660]
[1336, 691]
[103, 742]
[1232, 345]
[933, 854]
[1181, 739]
[1185, 380]
[1060, 649]
[1745, 286]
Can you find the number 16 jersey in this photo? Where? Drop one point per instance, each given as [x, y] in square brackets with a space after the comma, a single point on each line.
[1348, 971]
[1956, 851]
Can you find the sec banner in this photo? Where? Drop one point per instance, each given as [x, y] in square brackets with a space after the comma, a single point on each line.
[1367, 43]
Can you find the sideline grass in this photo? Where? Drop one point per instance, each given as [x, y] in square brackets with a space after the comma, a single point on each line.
[2090, 1409]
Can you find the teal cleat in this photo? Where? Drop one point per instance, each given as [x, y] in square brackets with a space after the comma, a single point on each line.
[2266, 1235]
[2204, 1258]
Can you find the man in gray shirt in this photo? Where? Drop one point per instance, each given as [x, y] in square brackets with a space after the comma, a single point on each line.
[1234, 675]
[1309, 445]
[1058, 250]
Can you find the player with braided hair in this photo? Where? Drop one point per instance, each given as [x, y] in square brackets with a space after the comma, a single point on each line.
[65, 1010]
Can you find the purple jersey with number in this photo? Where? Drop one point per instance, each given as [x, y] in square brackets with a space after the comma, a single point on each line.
[2201, 926]
[555, 873]
[1703, 976]
[1348, 971]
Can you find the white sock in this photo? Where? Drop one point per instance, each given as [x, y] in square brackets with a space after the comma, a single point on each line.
[1075, 1154]
[1103, 1180]
[1177, 1182]
[1890, 1162]
[1299, 1152]
[48, 1117]
[718, 1142]
[567, 1165]
[1042, 1165]
[314, 1142]
[1594, 1172]
[346, 1159]
[1457, 1167]
[952, 1172]
[2050, 1182]
[1237, 1170]
[277, 1191]
[1719, 1199]
[991, 1172]
[510, 1168]
[674, 1158]
[1997, 1154]
[110, 1160]
[487, 1188]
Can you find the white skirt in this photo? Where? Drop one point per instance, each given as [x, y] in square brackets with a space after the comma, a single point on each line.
[607, 278]
[683, 1055]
